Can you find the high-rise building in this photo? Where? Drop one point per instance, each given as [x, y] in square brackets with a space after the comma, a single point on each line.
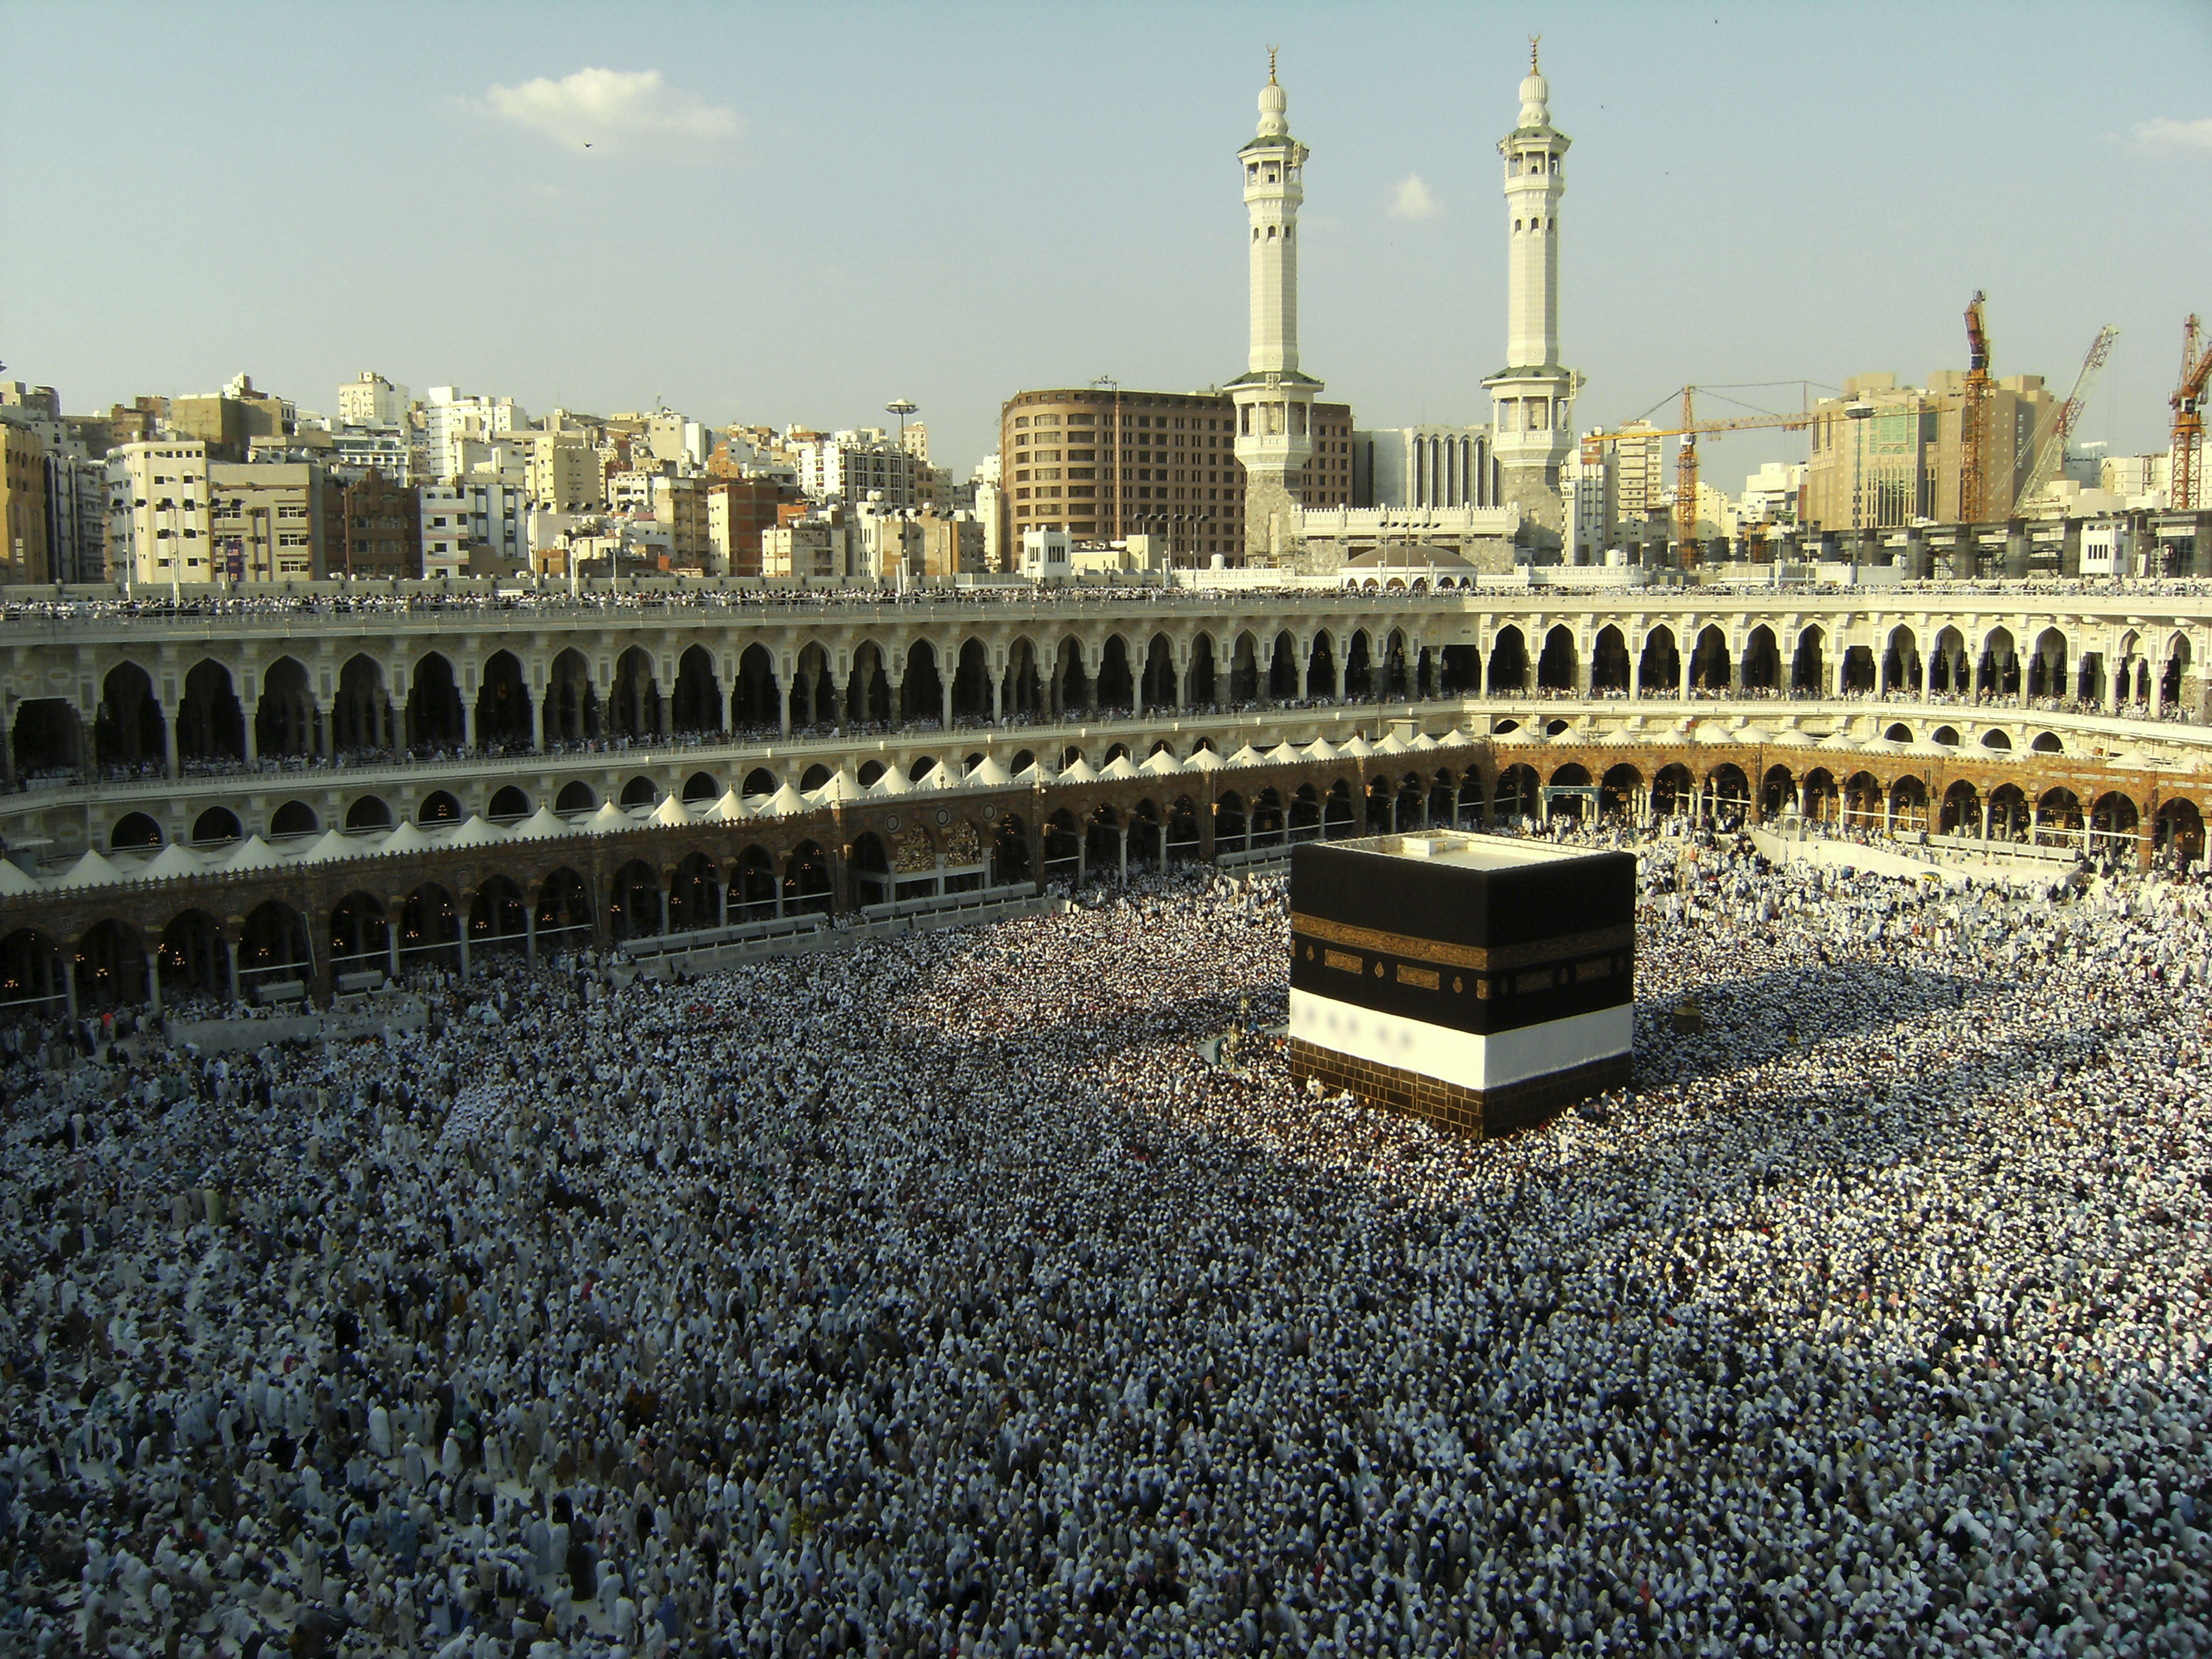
[1533, 397]
[228, 421]
[1883, 455]
[23, 510]
[383, 530]
[1103, 464]
[157, 512]
[372, 400]
[1641, 476]
[738, 512]
[272, 521]
[564, 471]
[76, 518]
[1275, 397]
[852, 465]
[452, 421]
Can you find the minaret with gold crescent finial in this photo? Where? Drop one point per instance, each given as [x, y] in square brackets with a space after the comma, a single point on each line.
[1273, 397]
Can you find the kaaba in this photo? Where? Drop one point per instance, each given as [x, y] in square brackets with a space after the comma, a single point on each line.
[1481, 982]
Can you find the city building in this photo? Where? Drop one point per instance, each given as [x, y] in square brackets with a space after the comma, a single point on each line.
[273, 521]
[816, 550]
[473, 524]
[851, 466]
[675, 441]
[20, 397]
[1273, 398]
[451, 421]
[564, 473]
[382, 535]
[372, 400]
[1772, 494]
[227, 421]
[681, 507]
[1884, 455]
[986, 499]
[1643, 477]
[157, 512]
[738, 512]
[2140, 481]
[1103, 463]
[76, 518]
[23, 509]
[1589, 484]
[357, 451]
[1532, 398]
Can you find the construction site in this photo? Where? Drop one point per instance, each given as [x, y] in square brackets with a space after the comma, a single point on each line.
[1973, 475]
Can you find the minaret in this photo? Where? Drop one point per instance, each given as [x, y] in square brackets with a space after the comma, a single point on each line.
[1274, 401]
[1533, 397]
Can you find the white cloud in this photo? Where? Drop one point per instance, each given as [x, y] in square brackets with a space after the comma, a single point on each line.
[2168, 137]
[614, 108]
[1411, 198]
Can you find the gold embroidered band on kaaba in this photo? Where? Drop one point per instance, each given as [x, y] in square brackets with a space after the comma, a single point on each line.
[1497, 959]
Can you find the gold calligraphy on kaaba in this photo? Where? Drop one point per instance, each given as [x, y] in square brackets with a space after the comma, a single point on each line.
[1343, 960]
[1426, 978]
[1482, 959]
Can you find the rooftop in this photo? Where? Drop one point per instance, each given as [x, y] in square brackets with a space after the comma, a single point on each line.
[1465, 851]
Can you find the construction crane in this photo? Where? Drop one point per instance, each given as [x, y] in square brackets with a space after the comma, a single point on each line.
[2189, 418]
[1686, 462]
[2043, 448]
[1974, 419]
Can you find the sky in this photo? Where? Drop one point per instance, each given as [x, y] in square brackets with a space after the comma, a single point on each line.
[800, 213]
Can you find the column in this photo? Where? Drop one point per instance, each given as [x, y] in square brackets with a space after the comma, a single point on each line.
[69, 987]
[169, 743]
[1683, 659]
[784, 690]
[944, 684]
[1337, 653]
[468, 726]
[529, 932]
[1182, 681]
[1162, 830]
[465, 952]
[1124, 852]
[248, 718]
[1985, 817]
[2157, 687]
[722, 904]
[153, 984]
[998, 699]
[663, 895]
[1082, 855]
[391, 950]
[230, 970]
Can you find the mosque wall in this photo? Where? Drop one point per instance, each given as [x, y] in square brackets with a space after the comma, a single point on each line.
[1175, 729]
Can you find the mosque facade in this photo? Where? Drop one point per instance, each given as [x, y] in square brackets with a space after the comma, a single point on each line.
[306, 797]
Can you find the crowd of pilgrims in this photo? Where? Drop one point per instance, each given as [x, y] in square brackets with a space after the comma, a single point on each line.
[939, 1296]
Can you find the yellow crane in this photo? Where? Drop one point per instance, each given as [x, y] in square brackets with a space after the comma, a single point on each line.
[1689, 429]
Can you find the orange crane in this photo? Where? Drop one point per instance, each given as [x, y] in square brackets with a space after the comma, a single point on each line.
[1685, 461]
[2189, 417]
[1974, 420]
